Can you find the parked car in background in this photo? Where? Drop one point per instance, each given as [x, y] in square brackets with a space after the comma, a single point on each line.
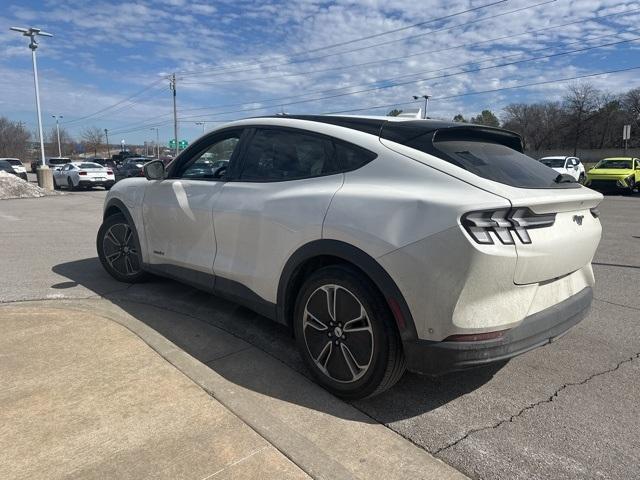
[384, 244]
[52, 162]
[18, 167]
[83, 175]
[567, 166]
[131, 167]
[618, 173]
[6, 166]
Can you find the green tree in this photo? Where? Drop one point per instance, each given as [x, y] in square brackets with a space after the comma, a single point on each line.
[394, 113]
[487, 118]
[459, 118]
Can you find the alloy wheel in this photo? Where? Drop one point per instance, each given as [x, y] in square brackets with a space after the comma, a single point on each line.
[338, 333]
[120, 250]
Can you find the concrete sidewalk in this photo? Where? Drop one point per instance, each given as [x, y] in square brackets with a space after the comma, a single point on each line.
[106, 395]
[83, 397]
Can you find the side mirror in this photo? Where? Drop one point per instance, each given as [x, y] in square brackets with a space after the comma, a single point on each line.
[220, 172]
[154, 170]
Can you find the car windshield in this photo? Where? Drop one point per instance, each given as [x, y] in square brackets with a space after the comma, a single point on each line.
[553, 162]
[615, 164]
[89, 165]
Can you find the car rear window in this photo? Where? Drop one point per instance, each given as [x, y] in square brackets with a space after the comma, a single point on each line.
[500, 163]
[90, 165]
[553, 162]
[14, 161]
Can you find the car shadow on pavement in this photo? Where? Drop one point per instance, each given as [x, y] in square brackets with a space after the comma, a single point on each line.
[220, 334]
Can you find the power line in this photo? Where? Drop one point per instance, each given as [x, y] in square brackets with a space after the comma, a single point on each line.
[415, 54]
[328, 97]
[408, 82]
[466, 94]
[494, 90]
[148, 87]
[348, 42]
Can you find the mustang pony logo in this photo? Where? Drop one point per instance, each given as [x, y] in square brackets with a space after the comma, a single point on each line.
[578, 219]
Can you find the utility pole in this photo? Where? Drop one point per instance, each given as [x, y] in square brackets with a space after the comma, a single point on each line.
[157, 142]
[172, 86]
[58, 133]
[106, 134]
[45, 178]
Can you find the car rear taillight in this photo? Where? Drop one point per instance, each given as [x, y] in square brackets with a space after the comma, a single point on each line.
[82, 173]
[503, 223]
[109, 172]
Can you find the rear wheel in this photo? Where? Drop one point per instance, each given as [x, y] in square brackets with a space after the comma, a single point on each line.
[119, 250]
[346, 334]
[70, 183]
[581, 178]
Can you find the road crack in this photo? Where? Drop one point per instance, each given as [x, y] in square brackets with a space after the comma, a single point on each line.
[550, 399]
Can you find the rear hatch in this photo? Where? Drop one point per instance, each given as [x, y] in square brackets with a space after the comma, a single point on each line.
[94, 172]
[492, 160]
[563, 247]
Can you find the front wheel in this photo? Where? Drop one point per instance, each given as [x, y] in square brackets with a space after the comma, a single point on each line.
[119, 250]
[346, 334]
[582, 178]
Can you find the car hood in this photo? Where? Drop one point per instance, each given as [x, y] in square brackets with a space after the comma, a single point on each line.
[611, 172]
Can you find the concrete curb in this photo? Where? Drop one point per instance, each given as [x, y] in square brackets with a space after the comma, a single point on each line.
[325, 437]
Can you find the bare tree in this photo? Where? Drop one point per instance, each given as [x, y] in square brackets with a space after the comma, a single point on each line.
[66, 141]
[93, 138]
[14, 139]
[580, 103]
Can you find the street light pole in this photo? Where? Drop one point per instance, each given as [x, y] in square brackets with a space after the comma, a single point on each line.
[44, 180]
[58, 133]
[426, 103]
[203, 125]
[157, 142]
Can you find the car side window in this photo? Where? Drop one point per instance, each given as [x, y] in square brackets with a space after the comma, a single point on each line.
[209, 164]
[351, 157]
[276, 155]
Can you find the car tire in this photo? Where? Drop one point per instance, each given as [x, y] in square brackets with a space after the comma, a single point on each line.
[355, 351]
[119, 250]
[582, 178]
[70, 184]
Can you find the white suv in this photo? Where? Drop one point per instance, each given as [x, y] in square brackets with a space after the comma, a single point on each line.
[567, 166]
[383, 243]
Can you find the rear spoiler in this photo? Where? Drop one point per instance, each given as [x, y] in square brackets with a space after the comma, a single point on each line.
[415, 135]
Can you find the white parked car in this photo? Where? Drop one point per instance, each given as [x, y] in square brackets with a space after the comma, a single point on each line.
[385, 244]
[83, 175]
[17, 166]
[566, 165]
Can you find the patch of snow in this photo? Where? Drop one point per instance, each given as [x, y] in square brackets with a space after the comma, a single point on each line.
[14, 187]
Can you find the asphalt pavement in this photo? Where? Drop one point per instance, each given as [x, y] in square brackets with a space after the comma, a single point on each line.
[566, 410]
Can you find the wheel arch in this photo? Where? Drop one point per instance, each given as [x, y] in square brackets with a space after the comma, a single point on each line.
[115, 206]
[319, 253]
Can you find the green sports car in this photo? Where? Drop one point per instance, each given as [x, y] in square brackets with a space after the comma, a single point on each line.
[620, 173]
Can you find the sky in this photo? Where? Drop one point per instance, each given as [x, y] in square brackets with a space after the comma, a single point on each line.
[109, 62]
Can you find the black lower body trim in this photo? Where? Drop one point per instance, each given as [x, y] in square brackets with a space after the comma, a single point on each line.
[219, 286]
[435, 358]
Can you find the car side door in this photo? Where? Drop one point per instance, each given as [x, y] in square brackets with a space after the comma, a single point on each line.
[177, 211]
[274, 203]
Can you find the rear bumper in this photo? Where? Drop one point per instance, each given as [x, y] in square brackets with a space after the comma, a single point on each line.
[435, 358]
[92, 183]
